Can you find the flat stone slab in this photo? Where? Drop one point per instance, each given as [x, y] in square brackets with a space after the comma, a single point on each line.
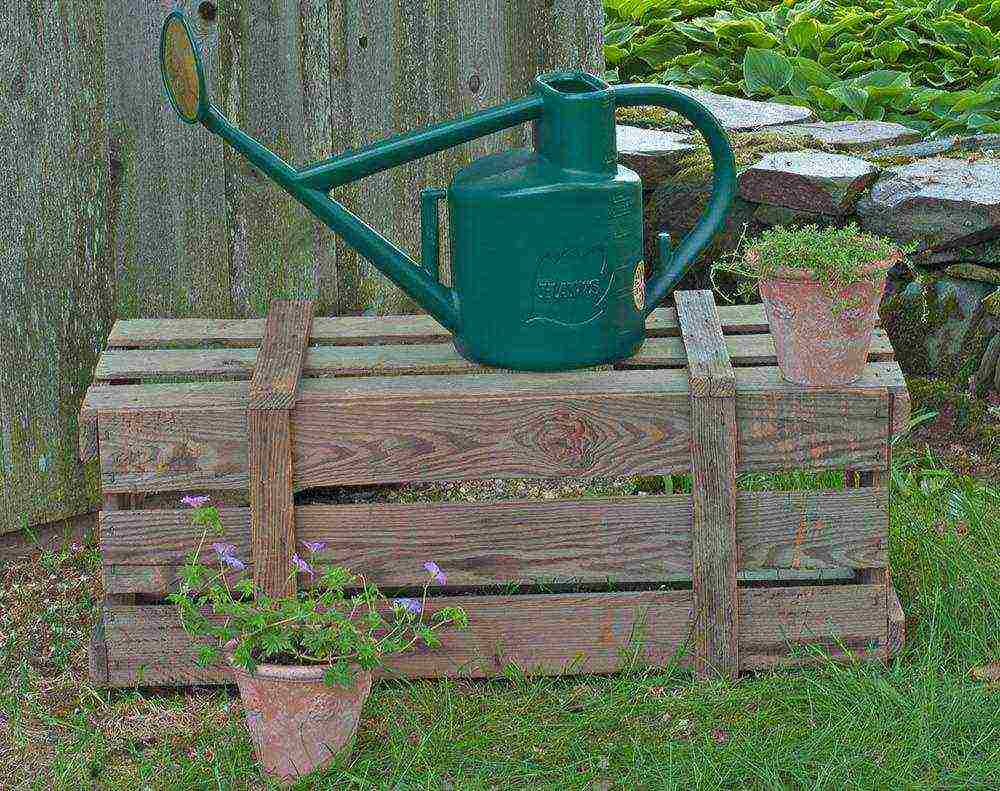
[942, 203]
[742, 115]
[651, 153]
[852, 135]
[814, 181]
[941, 145]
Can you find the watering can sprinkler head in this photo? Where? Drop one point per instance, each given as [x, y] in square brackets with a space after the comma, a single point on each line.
[546, 243]
[182, 69]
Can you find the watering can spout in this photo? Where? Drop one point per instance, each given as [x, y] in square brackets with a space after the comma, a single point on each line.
[183, 77]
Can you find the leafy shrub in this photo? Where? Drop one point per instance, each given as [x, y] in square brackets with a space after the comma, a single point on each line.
[934, 66]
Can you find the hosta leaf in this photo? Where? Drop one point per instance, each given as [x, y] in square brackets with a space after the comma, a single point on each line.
[804, 34]
[620, 36]
[939, 7]
[613, 55]
[907, 36]
[760, 40]
[884, 78]
[695, 33]
[889, 51]
[983, 123]
[823, 98]
[806, 72]
[658, 50]
[851, 96]
[766, 71]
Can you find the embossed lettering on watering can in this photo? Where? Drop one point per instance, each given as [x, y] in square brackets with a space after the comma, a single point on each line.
[546, 243]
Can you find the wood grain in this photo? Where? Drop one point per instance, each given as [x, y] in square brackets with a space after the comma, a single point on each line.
[548, 634]
[438, 358]
[276, 77]
[167, 215]
[714, 446]
[424, 428]
[278, 367]
[269, 445]
[638, 539]
[56, 262]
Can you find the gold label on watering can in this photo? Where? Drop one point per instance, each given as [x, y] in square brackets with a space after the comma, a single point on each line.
[639, 286]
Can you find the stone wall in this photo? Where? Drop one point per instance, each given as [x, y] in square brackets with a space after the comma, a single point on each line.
[941, 194]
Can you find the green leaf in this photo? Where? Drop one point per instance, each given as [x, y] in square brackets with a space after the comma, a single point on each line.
[806, 72]
[939, 7]
[766, 71]
[618, 37]
[884, 78]
[983, 123]
[658, 50]
[695, 33]
[614, 55]
[889, 51]
[804, 34]
[851, 96]
[911, 39]
[761, 40]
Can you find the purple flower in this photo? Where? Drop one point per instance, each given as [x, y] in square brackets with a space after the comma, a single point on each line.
[314, 546]
[224, 550]
[233, 562]
[412, 605]
[302, 565]
[195, 502]
[435, 571]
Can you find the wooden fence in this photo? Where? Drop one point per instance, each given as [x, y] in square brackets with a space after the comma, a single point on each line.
[114, 209]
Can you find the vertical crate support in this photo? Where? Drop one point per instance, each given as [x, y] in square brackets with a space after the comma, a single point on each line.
[714, 444]
[271, 397]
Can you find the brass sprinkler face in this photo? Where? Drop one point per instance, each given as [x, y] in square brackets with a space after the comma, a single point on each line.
[183, 74]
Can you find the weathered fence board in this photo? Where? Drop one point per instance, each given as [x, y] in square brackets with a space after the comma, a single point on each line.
[276, 87]
[56, 284]
[550, 634]
[167, 215]
[592, 540]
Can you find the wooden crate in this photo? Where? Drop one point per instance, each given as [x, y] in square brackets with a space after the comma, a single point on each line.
[388, 400]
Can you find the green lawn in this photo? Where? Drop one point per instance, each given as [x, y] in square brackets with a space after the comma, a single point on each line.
[930, 720]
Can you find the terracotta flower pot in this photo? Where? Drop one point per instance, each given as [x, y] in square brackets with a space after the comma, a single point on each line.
[816, 344]
[297, 723]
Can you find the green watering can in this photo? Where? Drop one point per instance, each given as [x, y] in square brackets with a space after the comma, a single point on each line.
[546, 243]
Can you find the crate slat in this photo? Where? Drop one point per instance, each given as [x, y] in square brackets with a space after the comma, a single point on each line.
[547, 634]
[269, 443]
[428, 428]
[362, 330]
[714, 448]
[632, 539]
[436, 358]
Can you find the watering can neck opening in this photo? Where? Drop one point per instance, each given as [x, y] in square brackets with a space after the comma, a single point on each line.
[576, 130]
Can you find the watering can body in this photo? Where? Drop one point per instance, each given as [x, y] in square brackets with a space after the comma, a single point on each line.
[546, 242]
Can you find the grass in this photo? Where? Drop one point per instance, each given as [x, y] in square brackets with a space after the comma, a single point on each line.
[925, 722]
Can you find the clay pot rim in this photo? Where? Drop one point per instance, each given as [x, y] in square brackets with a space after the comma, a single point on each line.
[303, 674]
[793, 274]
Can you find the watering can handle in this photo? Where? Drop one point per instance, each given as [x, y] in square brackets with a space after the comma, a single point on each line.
[672, 266]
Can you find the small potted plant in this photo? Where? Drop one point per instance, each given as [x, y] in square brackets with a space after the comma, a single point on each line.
[821, 289]
[303, 662]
